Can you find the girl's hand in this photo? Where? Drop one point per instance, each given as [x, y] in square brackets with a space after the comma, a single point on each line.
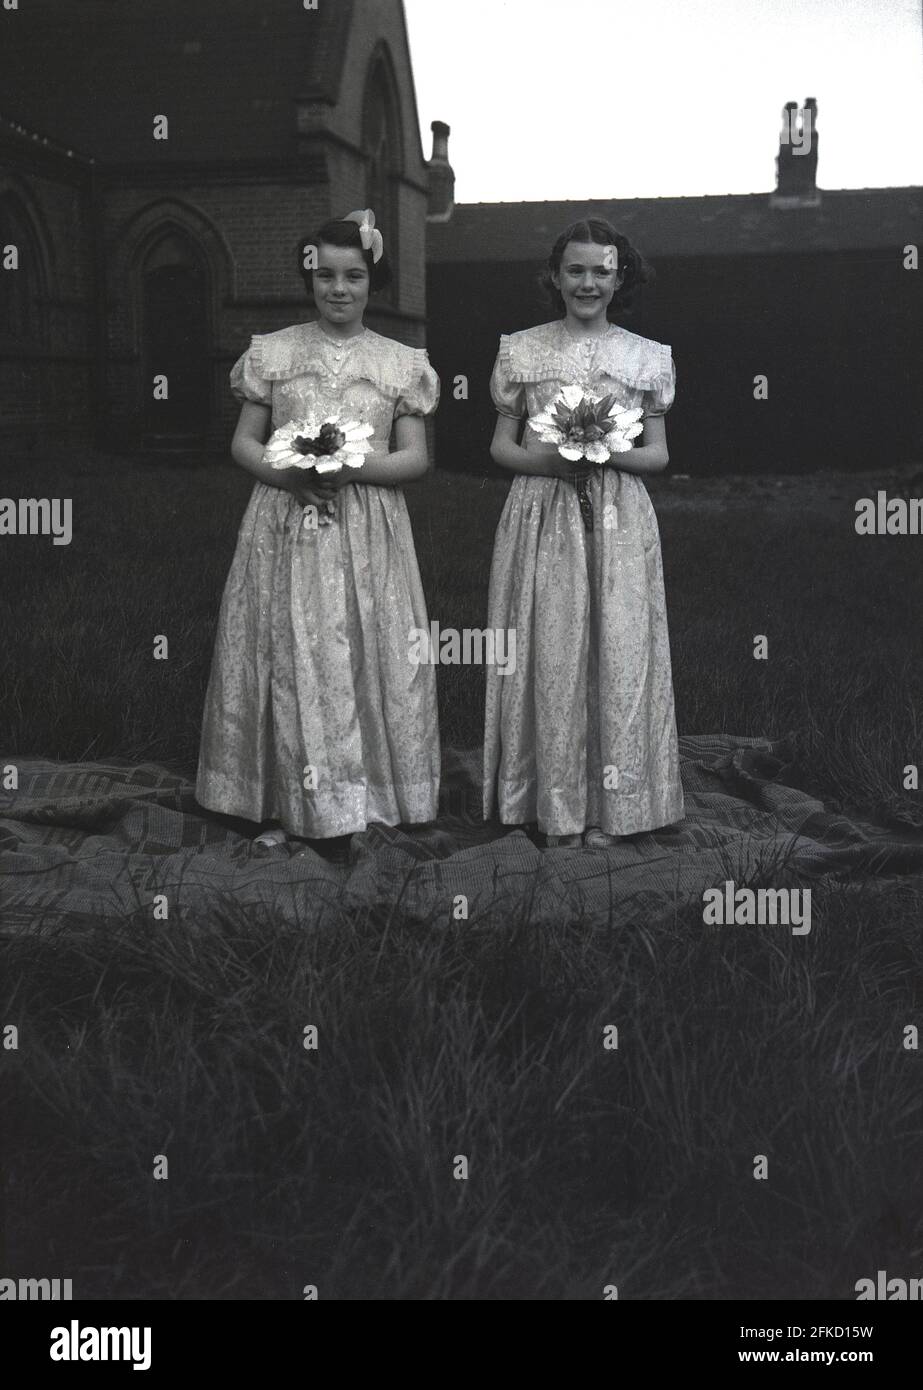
[330, 483]
[571, 472]
[307, 488]
[555, 465]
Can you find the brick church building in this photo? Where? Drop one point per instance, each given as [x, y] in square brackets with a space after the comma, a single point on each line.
[137, 255]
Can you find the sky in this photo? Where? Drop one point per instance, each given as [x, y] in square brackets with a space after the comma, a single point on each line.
[555, 99]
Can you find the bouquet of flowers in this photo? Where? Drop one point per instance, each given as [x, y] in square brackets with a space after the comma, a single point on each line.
[326, 445]
[590, 427]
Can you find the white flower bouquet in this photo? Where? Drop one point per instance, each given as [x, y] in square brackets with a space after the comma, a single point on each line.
[587, 427]
[326, 445]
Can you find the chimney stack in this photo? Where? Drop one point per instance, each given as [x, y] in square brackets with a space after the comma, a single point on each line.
[796, 163]
[440, 176]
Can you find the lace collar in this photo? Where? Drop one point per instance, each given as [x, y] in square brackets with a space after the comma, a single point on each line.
[550, 352]
[306, 350]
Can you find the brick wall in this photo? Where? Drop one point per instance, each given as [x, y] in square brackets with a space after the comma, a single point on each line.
[244, 222]
[45, 377]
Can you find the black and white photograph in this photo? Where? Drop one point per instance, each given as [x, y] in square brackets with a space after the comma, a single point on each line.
[461, 663]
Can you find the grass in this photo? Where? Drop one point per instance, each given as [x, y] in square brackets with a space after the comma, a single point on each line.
[588, 1167]
[335, 1168]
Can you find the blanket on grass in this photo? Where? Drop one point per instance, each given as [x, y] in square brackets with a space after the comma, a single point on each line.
[85, 844]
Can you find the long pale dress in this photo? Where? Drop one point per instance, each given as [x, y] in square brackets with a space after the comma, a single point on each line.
[315, 715]
[583, 731]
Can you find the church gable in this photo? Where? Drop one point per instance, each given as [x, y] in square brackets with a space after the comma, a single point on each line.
[225, 73]
[272, 118]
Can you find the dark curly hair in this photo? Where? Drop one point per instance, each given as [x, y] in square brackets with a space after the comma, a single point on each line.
[633, 267]
[340, 233]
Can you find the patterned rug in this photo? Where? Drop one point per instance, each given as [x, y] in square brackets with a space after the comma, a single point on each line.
[83, 845]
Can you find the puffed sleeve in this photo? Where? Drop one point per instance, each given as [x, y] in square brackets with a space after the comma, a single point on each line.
[508, 396]
[247, 384]
[423, 396]
[659, 398]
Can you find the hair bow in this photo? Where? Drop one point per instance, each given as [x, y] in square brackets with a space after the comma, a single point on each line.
[368, 233]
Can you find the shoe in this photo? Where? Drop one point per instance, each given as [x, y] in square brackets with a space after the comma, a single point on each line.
[563, 841]
[270, 839]
[598, 839]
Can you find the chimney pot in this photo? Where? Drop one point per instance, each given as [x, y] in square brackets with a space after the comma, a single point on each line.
[441, 133]
[441, 176]
[796, 163]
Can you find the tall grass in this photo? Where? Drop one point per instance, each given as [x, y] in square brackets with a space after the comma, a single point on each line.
[587, 1166]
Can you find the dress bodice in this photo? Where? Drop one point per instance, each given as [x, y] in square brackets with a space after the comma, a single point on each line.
[368, 378]
[532, 366]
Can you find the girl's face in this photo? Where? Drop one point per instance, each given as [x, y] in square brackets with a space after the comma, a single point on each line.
[588, 277]
[341, 284]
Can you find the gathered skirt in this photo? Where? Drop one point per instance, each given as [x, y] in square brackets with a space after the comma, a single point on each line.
[582, 731]
[315, 714]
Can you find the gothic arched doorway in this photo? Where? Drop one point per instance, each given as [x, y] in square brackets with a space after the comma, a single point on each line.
[175, 341]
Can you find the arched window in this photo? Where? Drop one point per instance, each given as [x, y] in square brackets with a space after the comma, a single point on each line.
[383, 146]
[20, 289]
[175, 345]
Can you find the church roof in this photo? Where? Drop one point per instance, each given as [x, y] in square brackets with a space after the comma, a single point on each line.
[733, 224]
[92, 75]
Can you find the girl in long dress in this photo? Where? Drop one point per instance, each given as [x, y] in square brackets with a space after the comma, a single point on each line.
[581, 736]
[317, 721]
